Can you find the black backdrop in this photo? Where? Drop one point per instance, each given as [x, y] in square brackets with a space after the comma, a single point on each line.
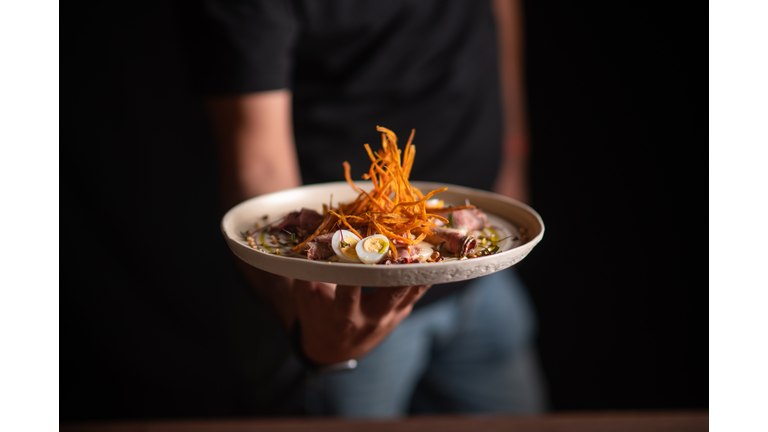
[619, 280]
[619, 178]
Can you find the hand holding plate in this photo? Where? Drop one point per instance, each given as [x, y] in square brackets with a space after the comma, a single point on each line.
[340, 323]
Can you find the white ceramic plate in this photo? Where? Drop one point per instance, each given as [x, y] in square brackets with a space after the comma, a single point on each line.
[506, 214]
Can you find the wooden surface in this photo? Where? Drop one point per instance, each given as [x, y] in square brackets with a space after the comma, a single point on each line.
[563, 422]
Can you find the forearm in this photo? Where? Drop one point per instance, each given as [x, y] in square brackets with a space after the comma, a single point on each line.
[257, 151]
[512, 178]
[257, 156]
[510, 34]
[513, 170]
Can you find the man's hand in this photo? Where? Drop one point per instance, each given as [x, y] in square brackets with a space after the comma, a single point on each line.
[340, 323]
[258, 156]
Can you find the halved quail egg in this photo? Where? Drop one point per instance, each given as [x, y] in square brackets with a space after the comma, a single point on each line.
[372, 249]
[343, 243]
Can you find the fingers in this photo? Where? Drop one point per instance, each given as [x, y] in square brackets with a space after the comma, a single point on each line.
[303, 293]
[326, 290]
[347, 299]
[387, 299]
[383, 300]
[308, 293]
[412, 296]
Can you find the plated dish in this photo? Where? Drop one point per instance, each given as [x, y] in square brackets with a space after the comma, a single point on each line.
[383, 232]
[504, 212]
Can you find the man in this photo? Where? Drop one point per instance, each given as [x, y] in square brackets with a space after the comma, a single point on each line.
[293, 89]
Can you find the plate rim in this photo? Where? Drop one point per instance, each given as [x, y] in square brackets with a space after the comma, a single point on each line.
[423, 185]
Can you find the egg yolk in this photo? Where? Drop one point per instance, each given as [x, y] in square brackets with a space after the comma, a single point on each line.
[348, 246]
[374, 244]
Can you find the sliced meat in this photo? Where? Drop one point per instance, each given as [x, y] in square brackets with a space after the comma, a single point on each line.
[320, 247]
[455, 241]
[309, 220]
[306, 219]
[403, 255]
[469, 219]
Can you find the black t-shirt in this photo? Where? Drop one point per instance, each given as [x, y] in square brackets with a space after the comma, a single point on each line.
[158, 323]
[428, 65]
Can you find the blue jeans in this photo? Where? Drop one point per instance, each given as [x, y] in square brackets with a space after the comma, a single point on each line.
[472, 352]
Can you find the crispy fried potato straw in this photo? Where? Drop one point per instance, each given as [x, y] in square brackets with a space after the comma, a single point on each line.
[393, 208]
[343, 220]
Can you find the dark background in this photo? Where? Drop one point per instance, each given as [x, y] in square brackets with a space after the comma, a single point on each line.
[617, 175]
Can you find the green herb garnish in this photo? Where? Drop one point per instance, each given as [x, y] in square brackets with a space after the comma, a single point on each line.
[489, 250]
[262, 242]
[496, 242]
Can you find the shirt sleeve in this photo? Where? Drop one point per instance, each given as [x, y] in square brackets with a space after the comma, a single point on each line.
[238, 46]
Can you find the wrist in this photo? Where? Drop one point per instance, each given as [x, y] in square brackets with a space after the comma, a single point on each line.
[312, 366]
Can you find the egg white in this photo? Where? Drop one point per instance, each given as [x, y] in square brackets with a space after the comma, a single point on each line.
[372, 257]
[349, 237]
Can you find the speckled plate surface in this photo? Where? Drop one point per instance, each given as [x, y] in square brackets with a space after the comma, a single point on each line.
[506, 215]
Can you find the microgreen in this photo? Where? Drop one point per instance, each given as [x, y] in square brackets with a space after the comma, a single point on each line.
[496, 242]
[489, 250]
[293, 239]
